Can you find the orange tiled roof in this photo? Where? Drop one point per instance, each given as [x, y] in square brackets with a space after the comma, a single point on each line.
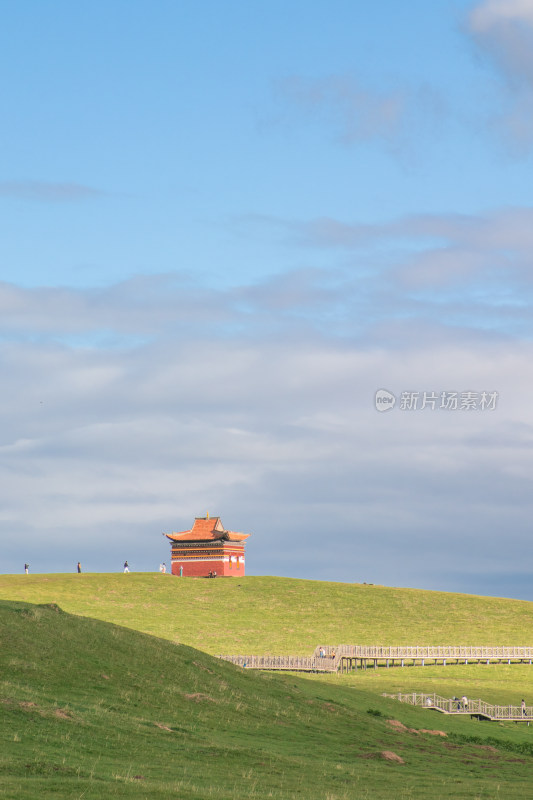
[207, 529]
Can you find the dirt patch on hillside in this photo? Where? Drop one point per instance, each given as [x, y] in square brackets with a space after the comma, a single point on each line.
[62, 714]
[163, 727]
[399, 726]
[388, 755]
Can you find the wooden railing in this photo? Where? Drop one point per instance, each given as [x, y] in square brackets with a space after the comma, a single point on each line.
[327, 658]
[454, 705]
[478, 653]
[292, 663]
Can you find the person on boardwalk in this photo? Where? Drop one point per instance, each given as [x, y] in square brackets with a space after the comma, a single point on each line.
[464, 700]
[26, 568]
[79, 567]
[523, 707]
[126, 567]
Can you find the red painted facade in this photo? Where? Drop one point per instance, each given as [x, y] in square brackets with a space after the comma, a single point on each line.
[207, 548]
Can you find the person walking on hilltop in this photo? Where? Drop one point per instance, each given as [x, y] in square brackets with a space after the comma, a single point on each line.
[79, 567]
[126, 567]
[26, 568]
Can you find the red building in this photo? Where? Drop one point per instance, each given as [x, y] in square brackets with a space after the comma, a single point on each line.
[208, 547]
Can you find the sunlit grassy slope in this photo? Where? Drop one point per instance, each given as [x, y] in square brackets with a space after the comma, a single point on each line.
[90, 710]
[277, 615]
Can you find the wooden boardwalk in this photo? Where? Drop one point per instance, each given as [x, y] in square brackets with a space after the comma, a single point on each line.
[472, 708]
[345, 658]
[290, 663]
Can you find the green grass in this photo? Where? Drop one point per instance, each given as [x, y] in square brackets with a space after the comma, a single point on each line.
[261, 615]
[499, 684]
[91, 710]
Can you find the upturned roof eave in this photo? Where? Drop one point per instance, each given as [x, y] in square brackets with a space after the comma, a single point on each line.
[185, 536]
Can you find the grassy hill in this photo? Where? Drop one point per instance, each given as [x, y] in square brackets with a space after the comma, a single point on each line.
[277, 615]
[92, 710]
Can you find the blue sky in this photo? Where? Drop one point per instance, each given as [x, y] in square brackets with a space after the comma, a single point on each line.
[223, 227]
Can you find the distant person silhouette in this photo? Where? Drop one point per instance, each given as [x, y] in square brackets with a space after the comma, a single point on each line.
[126, 567]
[79, 567]
[26, 568]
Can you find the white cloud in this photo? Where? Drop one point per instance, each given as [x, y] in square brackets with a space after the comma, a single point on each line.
[266, 417]
[354, 112]
[503, 32]
[126, 411]
[272, 432]
[492, 12]
[47, 192]
[477, 263]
